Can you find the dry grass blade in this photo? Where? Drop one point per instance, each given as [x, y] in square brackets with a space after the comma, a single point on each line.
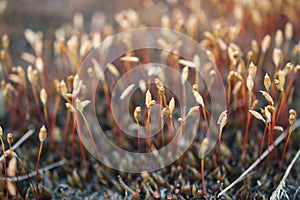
[21, 140]
[263, 156]
[280, 192]
[41, 170]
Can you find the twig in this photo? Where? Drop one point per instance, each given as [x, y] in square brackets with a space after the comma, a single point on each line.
[263, 156]
[21, 140]
[277, 193]
[32, 174]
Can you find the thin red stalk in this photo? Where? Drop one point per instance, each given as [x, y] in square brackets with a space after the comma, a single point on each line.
[18, 182]
[54, 114]
[259, 65]
[46, 116]
[106, 94]
[90, 135]
[219, 146]
[37, 103]
[284, 149]
[66, 133]
[273, 132]
[161, 119]
[263, 141]
[83, 155]
[23, 166]
[37, 169]
[281, 105]
[73, 138]
[207, 115]
[120, 122]
[290, 84]
[228, 95]
[203, 181]
[245, 146]
[172, 126]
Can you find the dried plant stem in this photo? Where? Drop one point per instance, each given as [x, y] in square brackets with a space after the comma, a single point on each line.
[276, 193]
[263, 156]
[125, 187]
[32, 174]
[20, 141]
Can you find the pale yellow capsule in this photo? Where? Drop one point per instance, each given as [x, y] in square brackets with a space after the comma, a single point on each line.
[222, 115]
[250, 83]
[223, 122]
[171, 105]
[137, 112]
[193, 110]
[43, 96]
[9, 138]
[267, 82]
[204, 147]
[252, 69]
[39, 64]
[257, 115]
[42, 134]
[198, 98]
[113, 69]
[184, 75]
[130, 59]
[278, 38]
[267, 97]
[63, 88]
[288, 31]
[127, 91]
[265, 43]
[186, 63]
[148, 99]
[278, 128]
[277, 56]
